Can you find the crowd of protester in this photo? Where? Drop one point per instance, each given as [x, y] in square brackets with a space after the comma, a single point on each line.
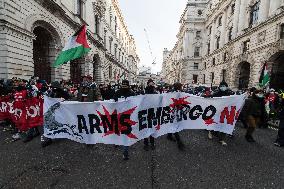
[260, 107]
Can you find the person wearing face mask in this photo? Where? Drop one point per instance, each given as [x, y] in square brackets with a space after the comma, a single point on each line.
[255, 111]
[150, 89]
[124, 92]
[223, 90]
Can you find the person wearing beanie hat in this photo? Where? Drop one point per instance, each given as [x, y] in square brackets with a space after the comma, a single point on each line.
[124, 92]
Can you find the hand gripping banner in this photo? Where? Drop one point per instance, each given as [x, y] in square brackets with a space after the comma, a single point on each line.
[127, 121]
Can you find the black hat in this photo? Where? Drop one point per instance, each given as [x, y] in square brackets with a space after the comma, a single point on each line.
[125, 82]
[223, 83]
[150, 81]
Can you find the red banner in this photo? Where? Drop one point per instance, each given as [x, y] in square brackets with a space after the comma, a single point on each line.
[24, 114]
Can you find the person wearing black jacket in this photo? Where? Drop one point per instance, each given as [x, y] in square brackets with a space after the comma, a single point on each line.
[150, 89]
[223, 90]
[254, 112]
[107, 92]
[177, 88]
[55, 92]
[124, 92]
[280, 137]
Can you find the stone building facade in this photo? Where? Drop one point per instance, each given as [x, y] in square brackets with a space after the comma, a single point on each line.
[239, 37]
[33, 32]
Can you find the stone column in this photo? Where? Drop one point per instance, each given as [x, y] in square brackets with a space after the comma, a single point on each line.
[242, 16]
[236, 17]
[274, 5]
[223, 29]
[264, 10]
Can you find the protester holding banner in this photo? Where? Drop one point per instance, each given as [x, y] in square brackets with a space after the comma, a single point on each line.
[56, 91]
[124, 92]
[223, 90]
[177, 88]
[150, 89]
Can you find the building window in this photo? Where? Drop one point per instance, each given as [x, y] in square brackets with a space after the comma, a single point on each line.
[195, 66]
[198, 34]
[97, 25]
[246, 46]
[115, 26]
[204, 78]
[115, 50]
[80, 8]
[212, 77]
[195, 78]
[210, 30]
[220, 21]
[110, 44]
[233, 8]
[208, 48]
[282, 31]
[199, 12]
[205, 66]
[110, 72]
[213, 61]
[230, 34]
[196, 51]
[225, 56]
[223, 75]
[254, 11]
[110, 21]
[218, 42]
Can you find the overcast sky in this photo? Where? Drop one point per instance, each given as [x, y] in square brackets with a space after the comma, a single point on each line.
[161, 20]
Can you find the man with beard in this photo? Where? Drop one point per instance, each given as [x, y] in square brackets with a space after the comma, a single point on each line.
[150, 89]
[124, 92]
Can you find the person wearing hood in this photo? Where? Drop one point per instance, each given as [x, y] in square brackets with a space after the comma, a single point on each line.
[223, 90]
[150, 89]
[254, 112]
[124, 92]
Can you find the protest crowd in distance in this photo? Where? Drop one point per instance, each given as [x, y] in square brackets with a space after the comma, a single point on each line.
[22, 114]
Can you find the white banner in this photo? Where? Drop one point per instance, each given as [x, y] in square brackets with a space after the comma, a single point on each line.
[127, 121]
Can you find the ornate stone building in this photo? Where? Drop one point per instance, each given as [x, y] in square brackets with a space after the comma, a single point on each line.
[239, 36]
[32, 33]
[183, 62]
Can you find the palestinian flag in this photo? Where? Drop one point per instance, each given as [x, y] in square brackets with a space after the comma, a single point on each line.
[264, 76]
[75, 48]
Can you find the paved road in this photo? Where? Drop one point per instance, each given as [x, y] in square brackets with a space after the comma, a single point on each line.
[204, 164]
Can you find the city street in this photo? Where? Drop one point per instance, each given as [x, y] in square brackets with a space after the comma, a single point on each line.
[204, 164]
